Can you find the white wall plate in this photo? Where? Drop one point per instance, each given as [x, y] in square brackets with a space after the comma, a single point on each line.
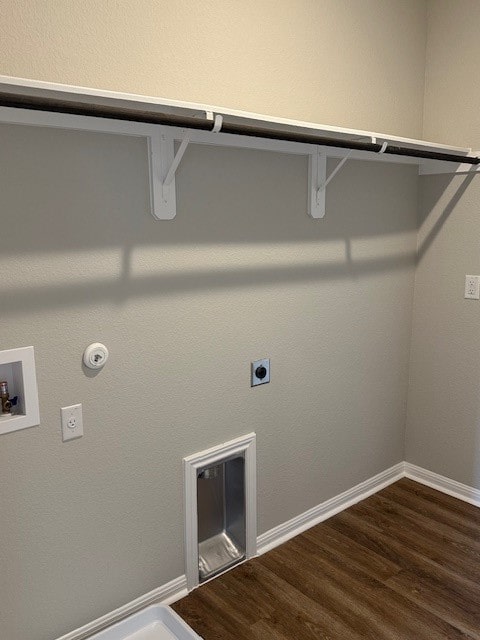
[17, 368]
[260, 372]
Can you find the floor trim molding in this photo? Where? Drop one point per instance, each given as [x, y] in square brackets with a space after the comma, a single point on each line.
[177, 588]
[166, 594]
[443, 484]
[283, 532]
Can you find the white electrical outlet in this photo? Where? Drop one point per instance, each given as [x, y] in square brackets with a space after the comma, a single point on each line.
[472, 287]
[72, 422]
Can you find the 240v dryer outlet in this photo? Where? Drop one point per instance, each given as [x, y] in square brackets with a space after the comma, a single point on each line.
[260, 372]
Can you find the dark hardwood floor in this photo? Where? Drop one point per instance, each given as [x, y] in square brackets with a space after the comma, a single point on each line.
[403, 564]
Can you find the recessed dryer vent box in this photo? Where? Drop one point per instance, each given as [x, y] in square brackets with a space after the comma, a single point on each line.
[220, 508]
[17, 369]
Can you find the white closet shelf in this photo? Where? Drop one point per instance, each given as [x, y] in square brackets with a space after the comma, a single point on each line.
[163, 122]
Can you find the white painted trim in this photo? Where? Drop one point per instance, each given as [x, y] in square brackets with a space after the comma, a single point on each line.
[317, 175]
[26, 117]
[166, 594]
[433, 167]
[24, 381]
[443, 484]
[245, 445]
[88, 95]
[283, 532]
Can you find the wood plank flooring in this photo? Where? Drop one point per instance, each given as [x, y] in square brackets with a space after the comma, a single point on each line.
[402, 565]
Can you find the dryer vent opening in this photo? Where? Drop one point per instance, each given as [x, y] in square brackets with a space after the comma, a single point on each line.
[220, 508]
[220, 516]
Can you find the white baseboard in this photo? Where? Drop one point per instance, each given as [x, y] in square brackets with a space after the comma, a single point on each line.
[166, 594]
[176, 589]
[443, 484]
[283, 532]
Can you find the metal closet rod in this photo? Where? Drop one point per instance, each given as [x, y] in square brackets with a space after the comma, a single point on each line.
[189, 122]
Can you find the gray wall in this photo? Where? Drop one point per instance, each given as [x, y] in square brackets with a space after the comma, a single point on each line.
[443, 402]
[184, 306]
[443, 428]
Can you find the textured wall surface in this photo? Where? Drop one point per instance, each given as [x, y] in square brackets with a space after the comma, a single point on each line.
[443, 430]
[452, 90]
[341, 62]
[184, 306]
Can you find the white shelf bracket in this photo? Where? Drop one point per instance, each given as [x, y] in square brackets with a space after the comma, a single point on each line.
[318, 181]
[317, 173]
[163, 165]
[176, 161]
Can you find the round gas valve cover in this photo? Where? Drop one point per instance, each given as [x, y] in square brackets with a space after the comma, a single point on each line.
[95, 356]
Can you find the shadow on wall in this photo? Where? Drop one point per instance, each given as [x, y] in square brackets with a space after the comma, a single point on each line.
[65, 295]
[441, 186]
[443, 407]
[80, 231]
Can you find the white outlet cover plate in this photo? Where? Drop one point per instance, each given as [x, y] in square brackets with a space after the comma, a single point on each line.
[472, 287]
[265, 362]
[72, 422]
